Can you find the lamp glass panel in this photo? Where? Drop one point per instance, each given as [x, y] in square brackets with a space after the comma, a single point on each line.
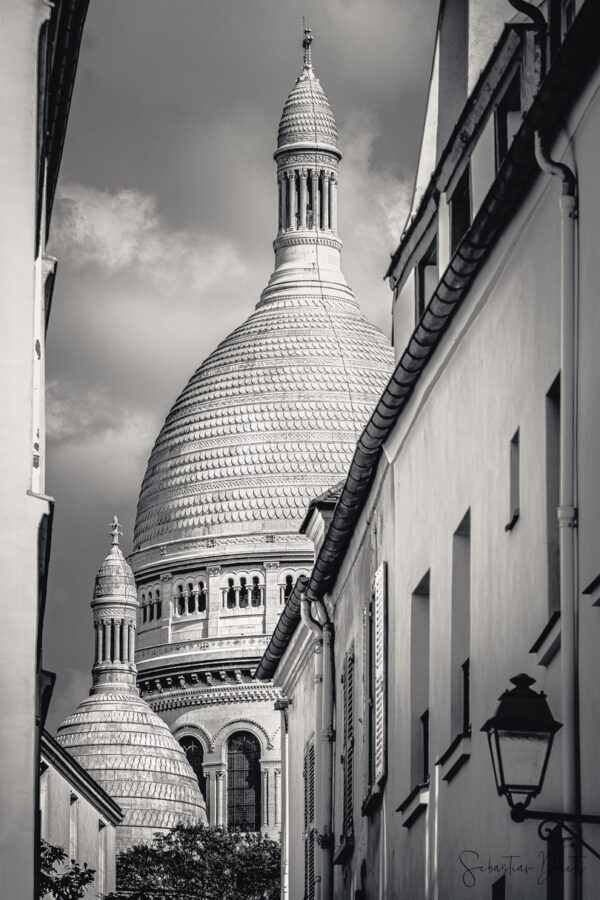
[523, 759]
[493, 742]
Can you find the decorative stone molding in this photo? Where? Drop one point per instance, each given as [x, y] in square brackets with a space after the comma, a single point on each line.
[212, 697]
[189, 729]
[293, 240]
[236, 724]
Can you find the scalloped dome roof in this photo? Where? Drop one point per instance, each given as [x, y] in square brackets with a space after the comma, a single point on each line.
[269, 421]
[131, 753]
[115, 735]
[307, 115]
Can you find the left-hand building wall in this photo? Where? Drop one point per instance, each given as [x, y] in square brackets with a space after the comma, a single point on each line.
[39, 47]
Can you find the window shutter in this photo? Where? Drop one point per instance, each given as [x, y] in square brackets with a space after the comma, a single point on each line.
[380, 671]
[348, 706]
[309, 820]
[366, 685]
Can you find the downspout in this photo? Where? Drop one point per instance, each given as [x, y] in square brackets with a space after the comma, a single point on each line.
[567, 510]
[282, 706]
[323, 680]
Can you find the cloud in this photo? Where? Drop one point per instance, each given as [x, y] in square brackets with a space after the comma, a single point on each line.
[122, 232]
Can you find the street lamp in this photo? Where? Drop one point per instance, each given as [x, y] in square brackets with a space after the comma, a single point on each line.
[520, 737]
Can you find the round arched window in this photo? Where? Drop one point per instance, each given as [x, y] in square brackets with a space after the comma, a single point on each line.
[243, 781]
[195, 756]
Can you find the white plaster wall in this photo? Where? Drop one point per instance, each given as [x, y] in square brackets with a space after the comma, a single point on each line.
[448, 453]
[21, 512]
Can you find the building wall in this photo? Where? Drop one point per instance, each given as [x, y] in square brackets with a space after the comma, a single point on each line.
[449, 455]
[95, 834]
[20, 481]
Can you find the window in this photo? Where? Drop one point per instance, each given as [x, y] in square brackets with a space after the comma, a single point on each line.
[256, 591]
[201, 597]
[347, 835]
[309, 820]
[243, 781]
[426, 279]
[289, 587]
[195, 756]
[375, 686]
[243, 593]
[461, 628]
[460, 209]
[514, 498]
[508, 118]
[73, 827]
[419, 682]
[553, 494]
[499, 889]
[230, 595]
[180, 600]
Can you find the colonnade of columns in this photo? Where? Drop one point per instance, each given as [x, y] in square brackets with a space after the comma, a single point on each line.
[307, 199]
[114, 641]
[270, 799]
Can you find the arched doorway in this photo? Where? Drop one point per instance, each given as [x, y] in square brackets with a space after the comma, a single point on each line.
[195, 756]
[243, 782]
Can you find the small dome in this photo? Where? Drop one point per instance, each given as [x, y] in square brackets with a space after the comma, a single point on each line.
[131, 753]
[307, 116]
[115, 578]
[115, 735]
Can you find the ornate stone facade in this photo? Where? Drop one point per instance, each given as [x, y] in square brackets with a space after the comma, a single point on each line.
[267, 422]
[115, 735]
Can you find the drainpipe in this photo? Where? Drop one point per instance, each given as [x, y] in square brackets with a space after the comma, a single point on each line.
[567, 510]
[282, 706]
[323, 681]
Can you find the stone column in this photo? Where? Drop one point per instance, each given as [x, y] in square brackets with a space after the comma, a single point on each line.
[98, 630]
[220, 818]
[117, 647]
[333, 202]
[292, 207]
[325, 201]
[271, 597]
[107, 624]
[280, 210]
[214, 600]
[208, 781]
[303, 174]
[265, 799]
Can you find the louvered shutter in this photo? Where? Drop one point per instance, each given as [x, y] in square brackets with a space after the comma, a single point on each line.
[366, 685]
[380, 671]
[348, 698]
[309, 820]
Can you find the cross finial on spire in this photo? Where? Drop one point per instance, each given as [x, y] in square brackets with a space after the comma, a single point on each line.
[115, 531]
[307, 41]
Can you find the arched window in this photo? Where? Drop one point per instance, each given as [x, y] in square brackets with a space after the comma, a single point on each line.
[289, 587]
[256, 591]
[243, 781]
[201, 597]
[195, 756]
[180, 600]
[191, 604]
[230, 594]
[243, 593]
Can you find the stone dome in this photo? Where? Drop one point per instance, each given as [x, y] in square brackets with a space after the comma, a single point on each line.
[115, 735]
[307, 115]
[131, 753]
[268, 421]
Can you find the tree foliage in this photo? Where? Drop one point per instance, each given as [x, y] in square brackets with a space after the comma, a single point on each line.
[200, 863]
[59, 882]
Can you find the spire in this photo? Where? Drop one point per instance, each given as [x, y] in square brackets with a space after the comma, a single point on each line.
[115, 531]
[306, 42]
[114, 606]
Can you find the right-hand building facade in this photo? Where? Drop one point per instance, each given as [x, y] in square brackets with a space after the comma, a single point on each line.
[462, 549]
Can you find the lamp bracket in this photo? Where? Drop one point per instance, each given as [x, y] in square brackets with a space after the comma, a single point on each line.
[519, 813]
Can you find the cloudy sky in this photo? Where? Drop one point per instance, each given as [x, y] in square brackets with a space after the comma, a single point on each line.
[163, 224]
